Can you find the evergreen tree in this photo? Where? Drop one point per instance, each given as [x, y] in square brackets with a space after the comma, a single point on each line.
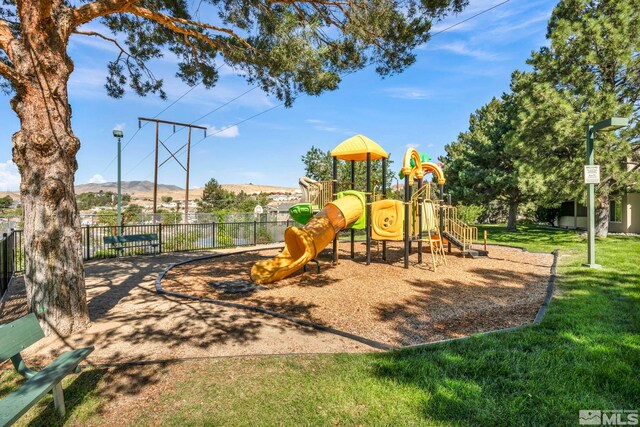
[318, 165]
[589, 71]
[484, 166]
[215, 198]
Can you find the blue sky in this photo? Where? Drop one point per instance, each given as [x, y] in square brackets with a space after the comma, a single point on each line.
[426, 106]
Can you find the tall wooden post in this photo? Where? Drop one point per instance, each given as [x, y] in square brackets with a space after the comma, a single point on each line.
[155, 176]
[172, 155]
[186, 191]
[441, 210]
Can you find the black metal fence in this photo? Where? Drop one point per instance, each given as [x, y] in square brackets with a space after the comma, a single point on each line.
[167, 238]
[11, 258]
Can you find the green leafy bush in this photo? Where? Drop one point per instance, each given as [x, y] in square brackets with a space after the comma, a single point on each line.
[546, 215]
[469, 213]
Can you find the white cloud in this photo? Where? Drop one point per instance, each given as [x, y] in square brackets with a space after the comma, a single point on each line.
[119, 126]
[463, 49]
[9, 176]
[409, 93]
[223, 132]
[97, 179]
[412, 145]
[324, 126]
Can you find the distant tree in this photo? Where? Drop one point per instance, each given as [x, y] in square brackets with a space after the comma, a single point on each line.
[247, 203]
[318, 165]
[108, 217]
[588, 72]
[5, 202]
[92, 200]
[131, 214]
[168, 217]
[215, 198]
[166, 199]
[484, 165]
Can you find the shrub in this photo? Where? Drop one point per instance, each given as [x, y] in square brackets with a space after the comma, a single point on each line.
[470, 213]
[547, 215]
[263, 235]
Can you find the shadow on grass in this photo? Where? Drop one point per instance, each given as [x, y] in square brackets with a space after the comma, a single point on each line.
[90, 392]
[585, 354]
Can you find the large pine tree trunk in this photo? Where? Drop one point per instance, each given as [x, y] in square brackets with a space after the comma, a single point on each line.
[45, 152]
[513, 216]
[602, 215]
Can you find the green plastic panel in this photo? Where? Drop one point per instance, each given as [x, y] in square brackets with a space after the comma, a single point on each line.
[301, 212]
[361, 223]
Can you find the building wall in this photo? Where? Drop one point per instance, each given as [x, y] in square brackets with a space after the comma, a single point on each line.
[630, 217]
[570, 222]
[633, 212]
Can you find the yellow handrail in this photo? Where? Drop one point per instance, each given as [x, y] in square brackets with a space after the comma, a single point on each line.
[460, 231]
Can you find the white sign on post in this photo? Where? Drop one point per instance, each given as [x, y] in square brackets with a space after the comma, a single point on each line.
[592, 174]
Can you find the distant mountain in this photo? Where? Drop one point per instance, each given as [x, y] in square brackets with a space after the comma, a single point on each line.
[129, 187]
[145, 189]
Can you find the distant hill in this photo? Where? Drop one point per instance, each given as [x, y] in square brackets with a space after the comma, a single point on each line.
[144, 189]
[129, 187]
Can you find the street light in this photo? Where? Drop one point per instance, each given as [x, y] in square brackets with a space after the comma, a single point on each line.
[117, 133]
[592, 177]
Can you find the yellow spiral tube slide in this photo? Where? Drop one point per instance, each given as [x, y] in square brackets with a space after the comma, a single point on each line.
[304, 244]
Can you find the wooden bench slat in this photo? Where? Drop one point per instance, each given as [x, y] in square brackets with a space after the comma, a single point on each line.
[110, 240]
[28, 394]
[18, 335]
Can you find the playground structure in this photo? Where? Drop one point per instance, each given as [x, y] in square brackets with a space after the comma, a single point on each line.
[422, 217]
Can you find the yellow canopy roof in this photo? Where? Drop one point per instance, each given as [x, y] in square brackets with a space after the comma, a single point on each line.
[357, 147]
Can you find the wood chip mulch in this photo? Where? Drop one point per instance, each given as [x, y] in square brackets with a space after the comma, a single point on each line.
[384, 301]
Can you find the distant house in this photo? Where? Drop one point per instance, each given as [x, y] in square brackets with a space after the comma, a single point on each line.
[281, 210]
[624, 214]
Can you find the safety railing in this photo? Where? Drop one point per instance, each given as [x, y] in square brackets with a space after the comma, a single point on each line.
[170, 238]
[320, 193]
[464, 234]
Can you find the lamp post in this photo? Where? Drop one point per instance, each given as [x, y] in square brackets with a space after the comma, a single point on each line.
[592, 177]
[117, 133]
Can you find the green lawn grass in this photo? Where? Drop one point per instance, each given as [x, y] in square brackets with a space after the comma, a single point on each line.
[584, 355]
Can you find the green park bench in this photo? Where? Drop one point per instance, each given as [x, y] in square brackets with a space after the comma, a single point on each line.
[120, 243]
[15, 337]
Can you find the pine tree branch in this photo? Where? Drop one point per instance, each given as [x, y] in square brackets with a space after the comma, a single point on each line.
[9, 73]
[109, 39]
[6, 37]
[98, 8]
[180, 26]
